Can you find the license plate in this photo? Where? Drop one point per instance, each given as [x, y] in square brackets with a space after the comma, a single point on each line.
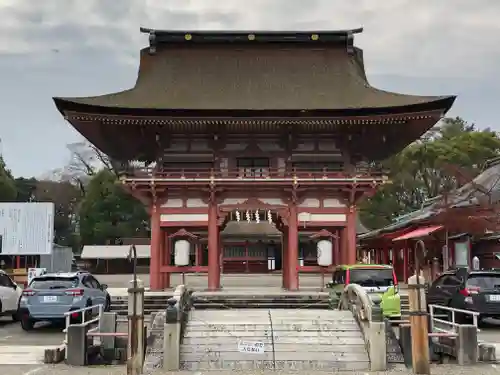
[49, 299]
[494, 297]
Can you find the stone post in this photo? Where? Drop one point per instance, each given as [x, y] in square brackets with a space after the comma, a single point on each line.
[108, 343]
[377, 349]
[135, 354]
[435, 269]
[377, 313]
[171, 337]
[467, 345]
[77, 346]
[405, 343]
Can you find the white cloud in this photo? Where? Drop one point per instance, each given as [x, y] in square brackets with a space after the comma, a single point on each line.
[89, 47]
[425, 37]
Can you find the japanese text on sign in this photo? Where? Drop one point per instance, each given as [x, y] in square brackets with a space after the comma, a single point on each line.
[251, 347]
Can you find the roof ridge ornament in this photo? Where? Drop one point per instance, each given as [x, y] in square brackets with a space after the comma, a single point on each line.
[350, 42]
[152, 42]
[159, 36]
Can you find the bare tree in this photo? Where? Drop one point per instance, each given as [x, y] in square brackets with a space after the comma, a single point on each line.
[85, 161]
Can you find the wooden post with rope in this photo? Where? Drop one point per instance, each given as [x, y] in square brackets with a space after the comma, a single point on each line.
[419, 318]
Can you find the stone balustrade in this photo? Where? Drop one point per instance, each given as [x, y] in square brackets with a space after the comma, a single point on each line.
[368, 313]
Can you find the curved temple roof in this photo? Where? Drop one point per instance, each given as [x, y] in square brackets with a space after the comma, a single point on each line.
[186, 72]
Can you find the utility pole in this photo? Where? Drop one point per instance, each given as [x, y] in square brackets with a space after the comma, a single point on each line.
[135, 355]
[419, 318]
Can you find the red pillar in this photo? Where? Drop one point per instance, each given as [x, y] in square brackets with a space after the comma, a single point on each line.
[155, 265]
[343, 246]
[293, 248]
[284, 259]
[197, 252]
[213, 249]
[336, 249]
[162, 257]
[405, 264]
[351, 236]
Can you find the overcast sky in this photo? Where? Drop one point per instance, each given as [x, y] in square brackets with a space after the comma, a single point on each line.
[89, 47]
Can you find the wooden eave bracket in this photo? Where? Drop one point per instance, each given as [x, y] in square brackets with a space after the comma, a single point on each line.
[182, 233]
[323, 233]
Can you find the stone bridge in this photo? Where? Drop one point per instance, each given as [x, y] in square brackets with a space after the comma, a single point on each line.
[281, 339]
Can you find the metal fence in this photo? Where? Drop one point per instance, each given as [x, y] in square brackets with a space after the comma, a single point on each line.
[83, 313]
[437, 324]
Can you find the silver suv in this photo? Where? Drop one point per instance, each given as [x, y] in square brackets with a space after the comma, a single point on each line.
[49, 296]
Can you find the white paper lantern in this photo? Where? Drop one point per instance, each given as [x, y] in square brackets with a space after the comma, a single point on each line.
[182, 249]
[324, 249]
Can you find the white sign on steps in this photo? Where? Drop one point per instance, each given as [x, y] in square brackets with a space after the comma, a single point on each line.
[251, 347]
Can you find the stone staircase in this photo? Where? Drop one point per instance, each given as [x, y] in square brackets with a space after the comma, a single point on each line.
[153, 302]
[405, 307]
[246, 300]
[204, 300]
[280, 339]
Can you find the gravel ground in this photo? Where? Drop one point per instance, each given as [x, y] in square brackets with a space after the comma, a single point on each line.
[485, 369]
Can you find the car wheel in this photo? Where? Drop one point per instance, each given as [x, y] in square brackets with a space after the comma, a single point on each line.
[17, 315]
[27, 324]
[107, 306]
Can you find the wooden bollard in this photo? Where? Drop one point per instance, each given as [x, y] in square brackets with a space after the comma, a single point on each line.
[419, 326]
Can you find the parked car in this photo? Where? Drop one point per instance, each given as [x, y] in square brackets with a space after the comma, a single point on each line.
[467, 290]
[48, 297]
[10, 294]
[375, 279]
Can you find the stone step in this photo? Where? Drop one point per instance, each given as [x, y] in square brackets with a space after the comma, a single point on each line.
[257, 365]
[271, 305]
[152, 303]
[261, 302]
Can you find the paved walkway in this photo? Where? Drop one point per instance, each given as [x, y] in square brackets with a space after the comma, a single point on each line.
[121, 370]
[22, 354]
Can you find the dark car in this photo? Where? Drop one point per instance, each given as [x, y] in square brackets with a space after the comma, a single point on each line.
[467, 290]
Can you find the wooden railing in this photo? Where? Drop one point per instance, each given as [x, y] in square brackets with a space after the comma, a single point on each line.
[246, 174]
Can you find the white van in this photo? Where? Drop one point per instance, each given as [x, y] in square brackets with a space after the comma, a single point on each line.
[10, 294]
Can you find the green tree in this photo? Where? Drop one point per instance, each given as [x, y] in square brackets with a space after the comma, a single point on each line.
[107, 213]
[26, 188]
[66, 198]
[8, 192]
[420, 171]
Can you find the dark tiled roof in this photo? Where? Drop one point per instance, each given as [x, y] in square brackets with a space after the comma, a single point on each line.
[486, 184]
[360, 228]
[253, 77]
[243, 228]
